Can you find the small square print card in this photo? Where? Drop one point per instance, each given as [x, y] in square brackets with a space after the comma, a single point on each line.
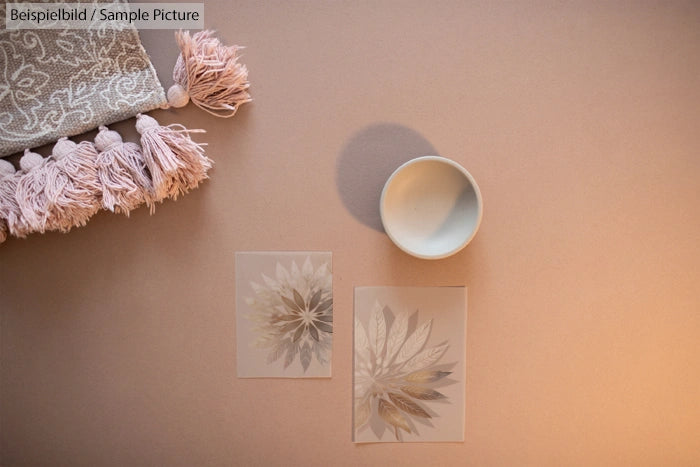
[284, 314]
[409, 364]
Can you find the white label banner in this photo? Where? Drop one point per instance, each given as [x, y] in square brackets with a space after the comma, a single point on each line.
[104, 15]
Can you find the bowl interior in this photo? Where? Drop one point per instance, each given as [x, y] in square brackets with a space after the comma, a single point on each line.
[431, 207]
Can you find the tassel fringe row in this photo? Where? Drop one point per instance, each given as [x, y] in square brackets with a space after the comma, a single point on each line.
[67, 188]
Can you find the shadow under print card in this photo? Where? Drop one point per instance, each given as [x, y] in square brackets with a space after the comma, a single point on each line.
[284, 314]
[409, 364]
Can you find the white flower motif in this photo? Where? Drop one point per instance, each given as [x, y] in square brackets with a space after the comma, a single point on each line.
[21, 83]
[128, 85]
[294, 314]
[394, 372]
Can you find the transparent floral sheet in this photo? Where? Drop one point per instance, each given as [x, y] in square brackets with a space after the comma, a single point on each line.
[284, 314]
[409, 364]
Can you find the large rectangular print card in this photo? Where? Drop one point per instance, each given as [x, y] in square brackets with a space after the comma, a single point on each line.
[409, 364]
[284, 314]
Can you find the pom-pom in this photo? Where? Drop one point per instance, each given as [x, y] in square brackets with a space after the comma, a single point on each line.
[177, 96]
[30, 160]
[208, 73]
[176, 163]
[121, 169]
[6, 168]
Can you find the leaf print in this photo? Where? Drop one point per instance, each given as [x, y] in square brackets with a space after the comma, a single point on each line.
[307, 270]
[297, 334]
[270, 283]
[397, 334]
[393, 370]
[320, 353]
[277, 351]
[392, 416]
[314, 332]
[319, 277]
[361, 386]
[305, 356]
[294, 270]
[425, 358]
[408, 406]
[415, 342]
[291, 353]
[257, 288]
[325, 305]
[421, 393]
[315, 299]
[282, 274]
[426, 376]
[326, 318]
[299, 300]
[361, 341]
[292, 306]
[324, 327]
[290, 326]
[292, 317]
[362, 413]
[377, 331]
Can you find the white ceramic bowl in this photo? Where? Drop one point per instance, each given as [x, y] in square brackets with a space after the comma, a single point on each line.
[431, 207]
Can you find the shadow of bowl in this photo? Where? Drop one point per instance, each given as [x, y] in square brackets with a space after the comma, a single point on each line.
[368, 159]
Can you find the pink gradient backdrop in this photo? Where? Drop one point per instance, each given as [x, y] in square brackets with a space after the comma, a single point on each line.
[578, 119]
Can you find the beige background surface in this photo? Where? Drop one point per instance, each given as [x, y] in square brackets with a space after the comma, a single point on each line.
[578, 119]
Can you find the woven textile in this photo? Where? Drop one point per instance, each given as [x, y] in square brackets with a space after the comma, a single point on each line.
[56, 83]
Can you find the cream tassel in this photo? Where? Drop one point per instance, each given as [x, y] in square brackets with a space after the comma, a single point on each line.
[80, 198]
[7, 198]
[31, 193]
[63, 191]
[10, 213]
[10, 210]
[121, 169]
[208, 73]
[176, 163]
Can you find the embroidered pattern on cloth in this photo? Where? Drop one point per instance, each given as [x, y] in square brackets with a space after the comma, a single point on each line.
[56, 83]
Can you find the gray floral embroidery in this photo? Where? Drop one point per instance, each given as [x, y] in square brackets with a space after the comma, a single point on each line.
[56, 83]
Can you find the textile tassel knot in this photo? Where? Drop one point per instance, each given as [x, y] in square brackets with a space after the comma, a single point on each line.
[81, 196]
[33, 194]
[11, 219]
[7, 170]
[63, 191]
[176, 163]
[208, 73]
[121, 169]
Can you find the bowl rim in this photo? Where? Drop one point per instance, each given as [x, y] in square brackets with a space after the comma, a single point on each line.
[470, 179]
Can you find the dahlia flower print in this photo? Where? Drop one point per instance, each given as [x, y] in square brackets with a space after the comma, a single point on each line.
[409, 364]
[284, 312]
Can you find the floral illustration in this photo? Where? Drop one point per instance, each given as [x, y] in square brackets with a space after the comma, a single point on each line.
[396, 372]
[293, 314]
